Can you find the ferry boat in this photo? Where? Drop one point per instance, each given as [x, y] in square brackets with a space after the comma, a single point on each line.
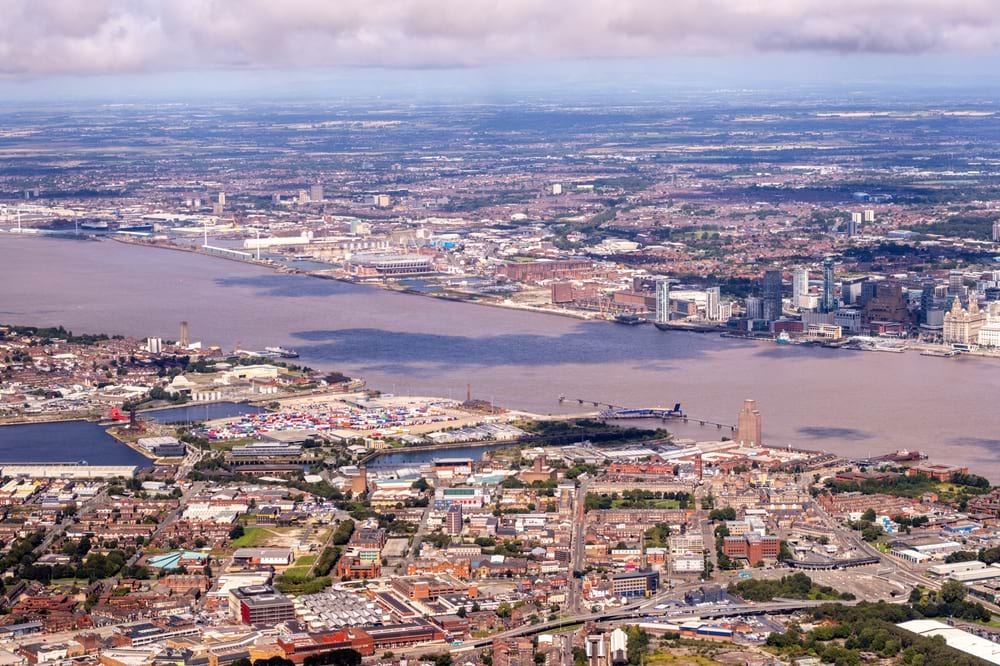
[783, 338]
[629, 319]
[282, 352]
[138, 228]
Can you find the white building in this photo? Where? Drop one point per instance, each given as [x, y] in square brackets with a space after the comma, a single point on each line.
[800, 288]
[712, 303]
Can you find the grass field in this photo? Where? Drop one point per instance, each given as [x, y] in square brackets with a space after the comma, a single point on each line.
[253, 537]
[663, 659]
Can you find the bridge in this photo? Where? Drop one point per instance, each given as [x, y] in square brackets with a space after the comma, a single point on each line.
[641, 612]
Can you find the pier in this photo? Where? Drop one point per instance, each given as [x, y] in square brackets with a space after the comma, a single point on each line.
[663, 413]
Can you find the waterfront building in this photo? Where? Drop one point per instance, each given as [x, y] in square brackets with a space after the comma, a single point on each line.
[828, 303]
[748, 425]
[849, 320]
[755, 307]
[887, 304]
[662, 301]
[926, 301]
[771, 293]
[712, 303]
[962, 326]
[850, 290]
[989, 335]
[800, 287]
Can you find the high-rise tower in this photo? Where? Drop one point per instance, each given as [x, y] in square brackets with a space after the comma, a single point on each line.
[829, 300]
[662, 301]
[748, 427]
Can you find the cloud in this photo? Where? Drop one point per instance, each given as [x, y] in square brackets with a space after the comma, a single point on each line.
[50, 37]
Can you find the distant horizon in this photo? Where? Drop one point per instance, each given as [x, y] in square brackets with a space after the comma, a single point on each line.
[778, 76]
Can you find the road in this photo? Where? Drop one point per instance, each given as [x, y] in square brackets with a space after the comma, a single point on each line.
[641, 610]
[578, 546]
[418, 537]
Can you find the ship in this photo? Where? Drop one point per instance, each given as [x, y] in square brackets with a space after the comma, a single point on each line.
[138, 228]
[282, 352]
[783, 338]
[94, 225]
[629, 319]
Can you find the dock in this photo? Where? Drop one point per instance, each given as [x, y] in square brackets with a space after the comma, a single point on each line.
[674, 413]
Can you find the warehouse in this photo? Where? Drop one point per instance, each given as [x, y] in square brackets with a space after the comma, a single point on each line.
[962, 641]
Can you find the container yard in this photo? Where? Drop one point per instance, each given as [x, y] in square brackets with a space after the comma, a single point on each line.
[343, 416]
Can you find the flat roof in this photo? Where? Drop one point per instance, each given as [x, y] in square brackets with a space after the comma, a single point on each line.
[956, 638]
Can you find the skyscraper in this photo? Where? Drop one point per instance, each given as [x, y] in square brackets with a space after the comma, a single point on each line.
[316, 192]
[222, 198]
[869, 215]
[662, 301]
[926, 301]
[183, 339]
[829, 301]
[771, 293]
[712, 301]
[800, 287]
[748, 428]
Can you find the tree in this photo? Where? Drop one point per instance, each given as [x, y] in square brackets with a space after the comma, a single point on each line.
[236, 532]
[728, 513]
[503, 610]
[868, 516]
[952, 592]
[343, 657]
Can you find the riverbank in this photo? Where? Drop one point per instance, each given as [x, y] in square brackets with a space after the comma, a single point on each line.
[921, 348]
[385, 286]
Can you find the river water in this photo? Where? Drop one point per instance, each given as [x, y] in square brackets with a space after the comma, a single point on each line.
[852, 403]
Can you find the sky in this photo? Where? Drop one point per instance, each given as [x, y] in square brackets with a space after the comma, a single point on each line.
[122, 48]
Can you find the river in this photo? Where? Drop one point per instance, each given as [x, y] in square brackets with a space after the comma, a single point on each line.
[852, 403]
